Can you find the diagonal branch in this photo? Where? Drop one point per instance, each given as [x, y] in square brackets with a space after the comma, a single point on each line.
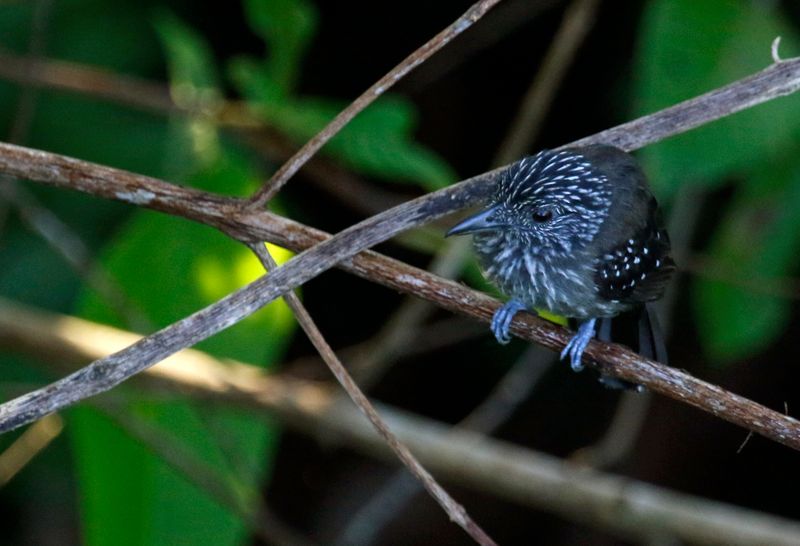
[228, 214]
[290, 167]
[452, 508]
[623, 506]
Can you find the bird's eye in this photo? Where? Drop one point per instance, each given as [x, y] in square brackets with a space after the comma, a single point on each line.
[542, 215]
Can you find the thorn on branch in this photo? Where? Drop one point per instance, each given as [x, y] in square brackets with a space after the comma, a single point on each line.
[776, 43]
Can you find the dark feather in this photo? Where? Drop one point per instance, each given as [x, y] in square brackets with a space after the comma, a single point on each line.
[637, 269]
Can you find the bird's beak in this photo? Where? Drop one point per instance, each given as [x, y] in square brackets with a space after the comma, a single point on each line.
[483, 221]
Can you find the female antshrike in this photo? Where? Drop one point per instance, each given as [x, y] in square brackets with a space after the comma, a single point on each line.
[575, 232]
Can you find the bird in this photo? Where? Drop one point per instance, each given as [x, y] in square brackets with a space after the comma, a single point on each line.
[576, 232]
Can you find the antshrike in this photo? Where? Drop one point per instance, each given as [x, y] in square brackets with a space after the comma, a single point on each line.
[575, 232]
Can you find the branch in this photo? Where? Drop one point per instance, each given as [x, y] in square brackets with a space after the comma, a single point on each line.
[627, 507]
[288, 169]
[455, 511]
[230, 216]
[576, 23]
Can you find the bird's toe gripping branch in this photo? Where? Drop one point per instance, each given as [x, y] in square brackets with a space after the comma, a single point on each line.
[501, 321]
[578, 344]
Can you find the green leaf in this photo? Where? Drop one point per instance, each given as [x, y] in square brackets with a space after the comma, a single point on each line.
[378, 142]
[286, 26]
[758, 241]
[116, 35]
[194, 81]
[169, 268]
[687, 48]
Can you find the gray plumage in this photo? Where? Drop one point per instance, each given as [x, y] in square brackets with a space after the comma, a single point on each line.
[575, 232]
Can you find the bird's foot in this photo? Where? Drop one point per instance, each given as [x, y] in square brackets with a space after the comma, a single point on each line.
[501, 321]
[578, 344]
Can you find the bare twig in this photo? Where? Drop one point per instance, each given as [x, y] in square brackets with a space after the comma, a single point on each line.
[451, 259]
[288, 169]
[626, 507]
[86, 80]
[777, 80]
[575, 25]
[230, 216]
[28, 445]
[107, 372]
[399, 330]
[383, 506]
[454, 510]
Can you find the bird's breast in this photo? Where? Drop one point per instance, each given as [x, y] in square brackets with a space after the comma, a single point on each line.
[562, 285]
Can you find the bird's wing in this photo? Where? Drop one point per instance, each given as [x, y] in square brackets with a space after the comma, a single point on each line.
[636, 270]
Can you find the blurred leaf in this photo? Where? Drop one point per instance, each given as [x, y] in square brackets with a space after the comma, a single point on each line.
[687, 48]
[169, 268]
[194, 81]
[115, 35]
[286, 26]
[758, 239]
[378, 142]
[256, 83]
[190, 266]
[15, 25]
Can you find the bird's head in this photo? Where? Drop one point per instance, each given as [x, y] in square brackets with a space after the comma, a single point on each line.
[549, 204]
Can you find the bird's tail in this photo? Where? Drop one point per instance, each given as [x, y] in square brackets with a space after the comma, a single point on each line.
[651, 343]
[651, 337]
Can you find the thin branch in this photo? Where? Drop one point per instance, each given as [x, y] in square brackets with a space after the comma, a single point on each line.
[86, 80]
[400, 329]
[575, 25]
[231, 115]
[230, 216]
[777, 80]
[626, 507]
[399, 490]
[288, 169]
[451, 259]
[30, 443]
[454, 510]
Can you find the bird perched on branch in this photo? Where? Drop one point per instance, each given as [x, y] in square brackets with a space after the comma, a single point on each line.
[575, 232]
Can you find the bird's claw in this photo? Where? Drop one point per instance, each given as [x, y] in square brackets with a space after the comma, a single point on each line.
[578, 344]
[501, 321]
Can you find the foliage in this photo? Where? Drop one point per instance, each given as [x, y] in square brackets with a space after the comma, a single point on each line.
[168, 268]
[687, 48]
[378, 142]
[128, 493]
